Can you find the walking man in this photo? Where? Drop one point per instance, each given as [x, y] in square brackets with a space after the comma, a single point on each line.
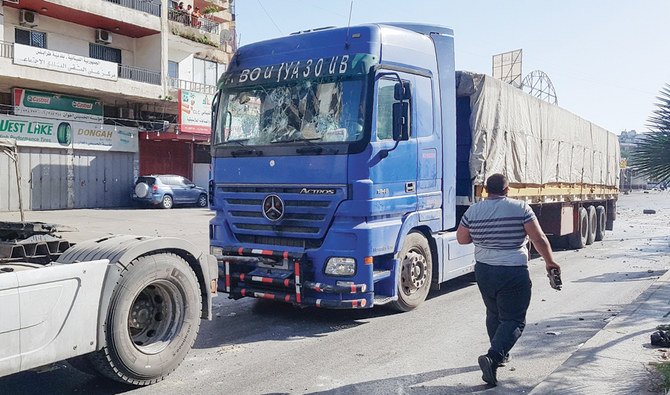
[499, 228]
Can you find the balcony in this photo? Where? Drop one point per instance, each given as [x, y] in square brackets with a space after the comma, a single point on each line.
[140, 74]
[203, 24]
[176, 83]
[148, 6]
[41, 68]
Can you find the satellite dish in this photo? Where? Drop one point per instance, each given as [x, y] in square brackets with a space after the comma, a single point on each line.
[226, 36]
[538, 84]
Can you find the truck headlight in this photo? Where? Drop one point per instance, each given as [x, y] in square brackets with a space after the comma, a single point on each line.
[216, 251]
[340, 266]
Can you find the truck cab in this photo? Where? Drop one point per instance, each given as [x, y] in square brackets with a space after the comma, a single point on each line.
[333, 168]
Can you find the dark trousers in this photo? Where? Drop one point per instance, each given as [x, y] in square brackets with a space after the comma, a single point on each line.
[506, 293]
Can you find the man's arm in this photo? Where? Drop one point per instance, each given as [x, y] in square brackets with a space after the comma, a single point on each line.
[541, 244]
[463, 235]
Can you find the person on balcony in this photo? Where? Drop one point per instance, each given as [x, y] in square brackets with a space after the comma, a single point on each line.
[195, 18]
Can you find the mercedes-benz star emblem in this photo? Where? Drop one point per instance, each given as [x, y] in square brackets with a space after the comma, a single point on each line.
[273, 208]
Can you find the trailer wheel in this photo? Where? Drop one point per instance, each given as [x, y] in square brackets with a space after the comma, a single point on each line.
[577, 239]
[601, 217]
[593, 225]
[152, 321]
[416, 271]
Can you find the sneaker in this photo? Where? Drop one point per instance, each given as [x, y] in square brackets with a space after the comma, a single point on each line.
[488, 368]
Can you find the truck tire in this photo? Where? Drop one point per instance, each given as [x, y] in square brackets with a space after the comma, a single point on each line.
[152, 321]
[593, 224]
[416, 270]
[577, 239]
[601, 218]
[167, 202]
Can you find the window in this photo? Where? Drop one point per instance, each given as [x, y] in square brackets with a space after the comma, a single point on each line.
[102, 52]
[173, 69]
[385, 102]
[206, 71]
[30, 37]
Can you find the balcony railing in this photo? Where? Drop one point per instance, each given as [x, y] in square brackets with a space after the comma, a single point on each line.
[149, 6]
[139, 74]
[200, 23]
[176, 83]
[6, 49]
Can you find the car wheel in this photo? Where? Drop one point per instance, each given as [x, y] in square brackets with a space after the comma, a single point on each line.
[167, 202]
[202, 200]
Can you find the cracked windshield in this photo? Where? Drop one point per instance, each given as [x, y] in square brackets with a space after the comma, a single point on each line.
[311, 110]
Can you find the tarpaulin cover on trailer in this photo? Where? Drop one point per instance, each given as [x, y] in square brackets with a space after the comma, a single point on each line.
[532, 141]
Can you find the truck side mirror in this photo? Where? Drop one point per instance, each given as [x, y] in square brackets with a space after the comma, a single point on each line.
[401, 121]
[401, 91]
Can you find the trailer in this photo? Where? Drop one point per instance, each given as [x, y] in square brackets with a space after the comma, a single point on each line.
[124, 307]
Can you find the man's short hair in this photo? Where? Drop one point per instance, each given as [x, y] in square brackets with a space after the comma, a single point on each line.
[496, 184]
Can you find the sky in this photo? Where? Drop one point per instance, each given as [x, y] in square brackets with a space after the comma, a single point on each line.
[607, 59]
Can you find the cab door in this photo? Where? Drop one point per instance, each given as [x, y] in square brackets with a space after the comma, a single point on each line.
[394, 166]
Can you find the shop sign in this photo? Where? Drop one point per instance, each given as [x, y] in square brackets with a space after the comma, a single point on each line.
[53, 133]
[53, 105]
[195, 112]
[65, 62]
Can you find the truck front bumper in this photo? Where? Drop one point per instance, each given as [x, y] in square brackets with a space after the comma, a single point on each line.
[284, 276]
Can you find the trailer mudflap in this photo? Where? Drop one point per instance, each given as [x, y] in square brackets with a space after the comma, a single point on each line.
[280, 276]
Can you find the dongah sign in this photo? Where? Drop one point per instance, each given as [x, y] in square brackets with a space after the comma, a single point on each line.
[52, 133]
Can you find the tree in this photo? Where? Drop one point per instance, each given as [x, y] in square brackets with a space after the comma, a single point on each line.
[652, 154]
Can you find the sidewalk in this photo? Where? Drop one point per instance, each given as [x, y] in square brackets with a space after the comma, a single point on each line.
[617, 359]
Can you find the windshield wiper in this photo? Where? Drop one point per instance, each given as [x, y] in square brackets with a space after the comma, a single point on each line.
[296, 140]
[238, 142]
[247, 152]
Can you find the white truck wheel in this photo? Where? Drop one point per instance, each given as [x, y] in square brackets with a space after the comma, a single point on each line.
[152, 321]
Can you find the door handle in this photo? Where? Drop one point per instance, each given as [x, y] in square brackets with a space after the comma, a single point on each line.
[409, 187]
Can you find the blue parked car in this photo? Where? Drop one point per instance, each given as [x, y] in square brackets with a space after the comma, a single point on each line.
[167, 190]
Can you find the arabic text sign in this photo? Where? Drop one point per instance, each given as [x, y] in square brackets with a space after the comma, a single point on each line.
[54, 133]
[67, 63]
[195, 112]
[56, 106]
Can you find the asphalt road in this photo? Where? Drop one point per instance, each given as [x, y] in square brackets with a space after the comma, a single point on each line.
[260, 347]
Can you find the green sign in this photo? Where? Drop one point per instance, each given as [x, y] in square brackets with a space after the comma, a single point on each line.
[53, 105]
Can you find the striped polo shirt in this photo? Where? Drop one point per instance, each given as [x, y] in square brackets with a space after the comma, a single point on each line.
[496, 228]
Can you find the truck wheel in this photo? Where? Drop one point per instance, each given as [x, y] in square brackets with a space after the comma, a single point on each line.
[601, 217]
[577, 239]
[416, 268]
[593, 225]
[152, 321]
[166, 202]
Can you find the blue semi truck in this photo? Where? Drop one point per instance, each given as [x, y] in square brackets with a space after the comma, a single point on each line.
[343, 158]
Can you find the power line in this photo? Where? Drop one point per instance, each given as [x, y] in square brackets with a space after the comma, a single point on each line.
[270, 17]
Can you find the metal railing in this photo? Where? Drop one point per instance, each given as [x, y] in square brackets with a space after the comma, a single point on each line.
[139, 74]
[149, 6]
[176, 83]
[200, 23]
[6, 49]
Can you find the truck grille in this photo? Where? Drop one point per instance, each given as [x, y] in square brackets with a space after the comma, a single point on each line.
[304, 222]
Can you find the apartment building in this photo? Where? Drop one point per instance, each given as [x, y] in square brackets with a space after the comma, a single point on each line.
[97, 92]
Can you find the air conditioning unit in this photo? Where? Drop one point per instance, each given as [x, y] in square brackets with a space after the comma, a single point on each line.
[28, 18]
[103, 36]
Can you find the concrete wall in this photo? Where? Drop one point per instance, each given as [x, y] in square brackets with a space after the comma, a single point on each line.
[113, 11]
[69, 37]
[148, 52]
